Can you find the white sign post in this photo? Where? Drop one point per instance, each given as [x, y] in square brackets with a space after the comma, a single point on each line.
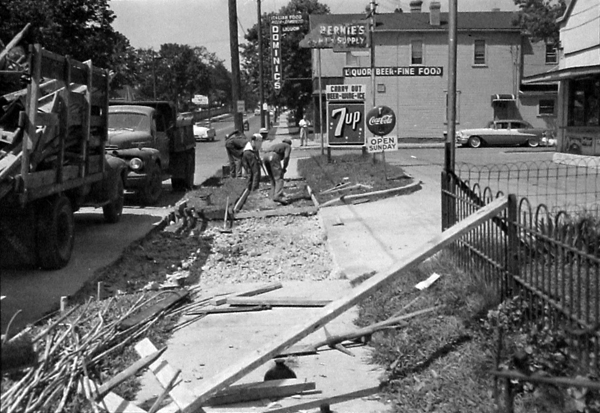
[377, 144]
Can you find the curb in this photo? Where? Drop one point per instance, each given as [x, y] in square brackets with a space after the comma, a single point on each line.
[403, 190]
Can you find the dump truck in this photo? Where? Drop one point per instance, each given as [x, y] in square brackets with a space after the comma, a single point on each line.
[53, 159]
[156, 142]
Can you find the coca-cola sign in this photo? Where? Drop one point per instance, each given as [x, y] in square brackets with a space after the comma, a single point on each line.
[381, 120]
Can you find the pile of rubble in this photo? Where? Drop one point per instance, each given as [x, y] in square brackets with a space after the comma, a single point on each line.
[288, 248]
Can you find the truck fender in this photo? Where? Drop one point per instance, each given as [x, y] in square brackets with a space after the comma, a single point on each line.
[116, 168]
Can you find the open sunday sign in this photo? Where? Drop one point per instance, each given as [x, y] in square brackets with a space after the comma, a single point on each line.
[382, 143]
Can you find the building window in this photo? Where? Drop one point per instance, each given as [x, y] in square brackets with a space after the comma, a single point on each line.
[546, 107]
[416, 52]
[380, 88]
[352, 60]
[479, 52]
[551, 54]
[584, 102]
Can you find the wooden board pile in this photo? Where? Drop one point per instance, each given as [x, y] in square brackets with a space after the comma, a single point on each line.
[70, 352]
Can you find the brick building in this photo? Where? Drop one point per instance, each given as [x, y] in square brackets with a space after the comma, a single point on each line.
[411, 61]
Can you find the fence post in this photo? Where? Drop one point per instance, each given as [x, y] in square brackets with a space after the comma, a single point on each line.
[512, 256]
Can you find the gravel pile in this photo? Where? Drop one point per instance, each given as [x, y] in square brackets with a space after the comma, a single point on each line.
[263, 250]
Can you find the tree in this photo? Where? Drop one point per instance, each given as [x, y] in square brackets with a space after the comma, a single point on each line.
[296, 91]
[81, 29]
[178, 72]
[538, 19]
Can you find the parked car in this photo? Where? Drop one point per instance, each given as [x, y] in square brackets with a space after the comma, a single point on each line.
[503, 132]
[204, 132]
[257, 112]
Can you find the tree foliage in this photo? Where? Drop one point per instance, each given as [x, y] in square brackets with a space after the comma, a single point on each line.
[538, 18]
[81, 29]
[178, 72]
[296, 88]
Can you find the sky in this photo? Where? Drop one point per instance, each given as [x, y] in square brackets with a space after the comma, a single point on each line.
[150, 23]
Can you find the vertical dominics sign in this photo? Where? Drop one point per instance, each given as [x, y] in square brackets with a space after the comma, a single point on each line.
[276, 55]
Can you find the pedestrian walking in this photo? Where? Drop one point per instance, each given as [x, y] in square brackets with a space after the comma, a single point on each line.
[234, 145]
[304, 124]
[276, 159]
[251, 163]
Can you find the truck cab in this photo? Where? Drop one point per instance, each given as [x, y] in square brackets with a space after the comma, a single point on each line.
[155, 142]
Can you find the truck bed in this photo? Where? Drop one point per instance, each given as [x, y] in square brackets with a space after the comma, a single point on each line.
[63, 122]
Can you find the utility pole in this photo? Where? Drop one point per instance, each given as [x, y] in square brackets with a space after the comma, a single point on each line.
[372, 6]
[451, 114]
[261, 92]
[238, 118]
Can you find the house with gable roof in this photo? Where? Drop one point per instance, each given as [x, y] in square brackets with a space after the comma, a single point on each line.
[578, 76]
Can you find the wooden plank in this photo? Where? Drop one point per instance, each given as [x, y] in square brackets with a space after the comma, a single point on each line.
[224, 310]
[128, 372]
[284, 211]
[259, 356]
[167, 301]
[260, 390]
[278, 301]
[265, 288]
[328, 400]
[164, 373]
[114, 403]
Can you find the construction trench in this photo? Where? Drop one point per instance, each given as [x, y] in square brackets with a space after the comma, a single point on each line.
[63, 373]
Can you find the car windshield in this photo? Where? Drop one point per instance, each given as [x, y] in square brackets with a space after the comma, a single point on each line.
[129, 121]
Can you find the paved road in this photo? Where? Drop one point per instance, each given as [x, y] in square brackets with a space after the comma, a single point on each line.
[98, 244]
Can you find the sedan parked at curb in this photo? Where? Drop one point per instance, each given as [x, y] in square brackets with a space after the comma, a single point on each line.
[204, 132]
[503, 132]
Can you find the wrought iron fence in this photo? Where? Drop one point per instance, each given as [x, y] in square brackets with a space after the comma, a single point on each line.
[565, 184]
[548, 256]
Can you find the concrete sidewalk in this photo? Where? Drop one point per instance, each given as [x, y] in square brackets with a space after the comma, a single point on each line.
[362, 238]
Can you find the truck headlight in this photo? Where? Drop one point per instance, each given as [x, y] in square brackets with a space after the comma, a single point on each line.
[136, 164]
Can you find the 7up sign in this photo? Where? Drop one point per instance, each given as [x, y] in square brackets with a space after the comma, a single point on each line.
[346, 123]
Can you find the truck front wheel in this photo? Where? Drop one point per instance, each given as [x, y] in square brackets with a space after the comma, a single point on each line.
[55, 232]
[113, 210]
[150, 194]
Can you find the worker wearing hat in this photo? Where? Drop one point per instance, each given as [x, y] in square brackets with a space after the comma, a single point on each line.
[273, 157]
[234, 145]
[260, 137]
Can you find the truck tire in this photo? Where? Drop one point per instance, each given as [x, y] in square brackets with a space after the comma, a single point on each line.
[55, 232]
[113, 210]
[183, 176]
[150, 194]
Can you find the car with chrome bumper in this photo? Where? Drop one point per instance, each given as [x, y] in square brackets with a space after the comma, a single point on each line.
[504, 132]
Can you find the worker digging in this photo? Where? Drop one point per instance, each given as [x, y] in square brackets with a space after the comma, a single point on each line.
[251, 163]
[273, 157]
[234, 145]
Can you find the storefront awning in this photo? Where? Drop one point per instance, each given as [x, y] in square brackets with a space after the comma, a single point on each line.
[562, 74]
[506, 97]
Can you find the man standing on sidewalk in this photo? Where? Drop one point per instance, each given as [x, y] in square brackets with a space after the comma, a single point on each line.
[272, 158]
[304, 123]
[234, 145]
